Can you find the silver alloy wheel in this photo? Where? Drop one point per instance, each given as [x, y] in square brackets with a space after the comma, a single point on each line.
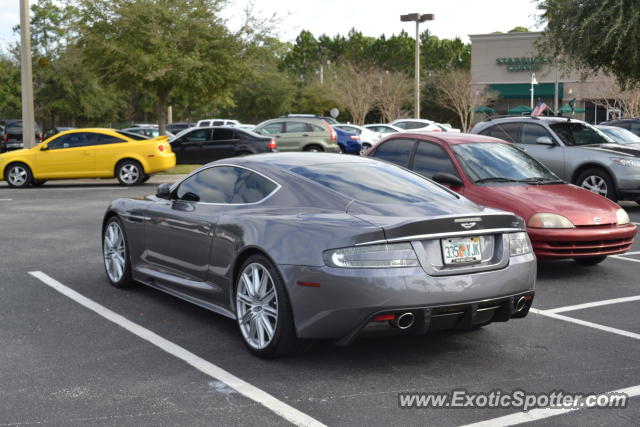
[17, 175]
[257, 306]
[595, 184]
[114, 251]
[129, 173]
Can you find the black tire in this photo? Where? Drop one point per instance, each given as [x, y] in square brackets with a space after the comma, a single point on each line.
[38, 182]
[146, 178]
[129, 172]
[592, 178]
[592, 260]
[18, 175]
[341, 148]
[364, 148]
[126, 279]
[244, 153]
[313, 148]
[284, 341]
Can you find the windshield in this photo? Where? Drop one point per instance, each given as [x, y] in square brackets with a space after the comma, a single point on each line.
[375, 183]
[620, 135]
[575, 133]
[497, 162]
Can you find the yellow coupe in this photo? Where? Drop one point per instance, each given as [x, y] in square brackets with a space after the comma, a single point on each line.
[88, 153]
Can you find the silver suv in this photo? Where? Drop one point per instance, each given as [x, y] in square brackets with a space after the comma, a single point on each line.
[575, 151]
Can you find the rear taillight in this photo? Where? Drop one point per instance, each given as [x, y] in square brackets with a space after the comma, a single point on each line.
[161, 148]
[355, 137]
[331, 131]
[5, 137]
[39, 137]
[437, 130]
[272, 145]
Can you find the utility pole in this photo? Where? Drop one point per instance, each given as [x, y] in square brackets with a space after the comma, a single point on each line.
[417, 18]
[556, 93]
[28, 120]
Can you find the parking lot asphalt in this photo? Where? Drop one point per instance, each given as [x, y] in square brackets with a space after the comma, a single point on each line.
[63, 364]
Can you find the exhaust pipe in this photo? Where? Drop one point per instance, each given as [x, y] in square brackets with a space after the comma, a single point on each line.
[521, 304]
[404, 321]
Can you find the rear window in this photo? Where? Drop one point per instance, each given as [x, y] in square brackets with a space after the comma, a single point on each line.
[374, 183]
[132, 135]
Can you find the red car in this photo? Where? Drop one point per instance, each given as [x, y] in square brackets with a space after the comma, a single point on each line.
[563, 220]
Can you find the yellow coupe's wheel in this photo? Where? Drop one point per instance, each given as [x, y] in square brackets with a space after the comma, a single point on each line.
[130, 172]
[18, 175]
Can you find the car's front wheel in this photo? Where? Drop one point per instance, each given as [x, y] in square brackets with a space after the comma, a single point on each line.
[263, 311]
[592, 260]
[599, 182]
[115, 251]
[313, 148]
[18, 175]
[130, 172]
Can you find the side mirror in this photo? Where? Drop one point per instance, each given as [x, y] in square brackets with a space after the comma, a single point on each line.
[544, 140]
[447, 179]
[44, 148]
[164, 192]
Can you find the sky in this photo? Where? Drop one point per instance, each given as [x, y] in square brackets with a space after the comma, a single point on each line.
[453, 18]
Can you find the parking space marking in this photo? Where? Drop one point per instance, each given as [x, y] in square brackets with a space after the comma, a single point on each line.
[280, 408]
[592, 304]
[587, 324]
[5, 200]
[542, 413]
[624, 258]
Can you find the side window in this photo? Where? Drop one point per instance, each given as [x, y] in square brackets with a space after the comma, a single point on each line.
[72, 140]
[431, 159]
[396, 151]
[217, 123]
[531, 132]
[316, 128]
[253, 188]
[272, 128]
[635, 128]
[507, 131]
[197, 136]
[106, 139]
[414, 125]
[222, 134]
[402, 125]
[225, 184]
[297, 127]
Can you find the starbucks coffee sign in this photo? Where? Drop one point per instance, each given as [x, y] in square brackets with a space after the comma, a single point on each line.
[523, 63]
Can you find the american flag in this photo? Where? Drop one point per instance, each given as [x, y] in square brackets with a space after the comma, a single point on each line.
[540, 107]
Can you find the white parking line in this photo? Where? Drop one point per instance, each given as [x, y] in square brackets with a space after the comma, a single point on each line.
[5, 200]
[624, 258]
[588, 324]
[592, 304]
[268, 401]
[542, 413]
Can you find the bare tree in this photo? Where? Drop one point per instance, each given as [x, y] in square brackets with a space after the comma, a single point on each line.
[608, 94]
[458, 95]
[354, 87]
[394, 90]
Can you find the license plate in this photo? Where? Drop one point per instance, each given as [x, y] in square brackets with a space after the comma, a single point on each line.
[461, 250]
[14, 144]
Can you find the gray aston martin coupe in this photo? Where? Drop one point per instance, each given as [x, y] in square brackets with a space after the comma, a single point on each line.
[322, 246]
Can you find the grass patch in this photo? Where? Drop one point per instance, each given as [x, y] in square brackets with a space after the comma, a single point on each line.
[180, 170]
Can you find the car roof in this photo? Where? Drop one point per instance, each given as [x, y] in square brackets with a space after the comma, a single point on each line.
[292, 160]
[450, 138]
[534, 118]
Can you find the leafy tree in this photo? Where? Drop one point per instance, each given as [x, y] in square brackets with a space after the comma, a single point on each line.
[10, 101]
[596, 34]
[160, 46]
[304, 57]
[519, 29]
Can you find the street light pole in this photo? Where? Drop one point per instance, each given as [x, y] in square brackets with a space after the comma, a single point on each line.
[28, 120]
[417, 18]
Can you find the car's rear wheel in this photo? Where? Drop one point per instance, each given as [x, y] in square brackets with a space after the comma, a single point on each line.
[115, 251]
[18, 175]
[313, 148]
[364, 148]
[38, 182]
[146, 178]
[592, 260]
[263, 311]
[130, 172]
[597, 181]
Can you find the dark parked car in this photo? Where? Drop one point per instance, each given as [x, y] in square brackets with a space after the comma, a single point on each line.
[175, 128]
[632, 125]
[203, 145]
[322, 246]
[12, 136]
[55, 130]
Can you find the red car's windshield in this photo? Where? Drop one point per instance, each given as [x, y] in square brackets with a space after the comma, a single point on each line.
[497, 162]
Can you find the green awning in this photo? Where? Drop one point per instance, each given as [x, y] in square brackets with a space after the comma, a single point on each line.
[567, 109]
[523, 90]
[485, 109]
[519, 110]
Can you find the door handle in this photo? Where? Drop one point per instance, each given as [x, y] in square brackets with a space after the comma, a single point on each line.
[86, 153]
[305, 134]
